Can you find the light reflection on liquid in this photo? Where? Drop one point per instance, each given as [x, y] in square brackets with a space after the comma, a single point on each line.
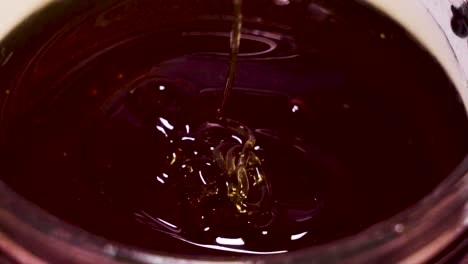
[298, 236]
[166, 123]
[230, 241]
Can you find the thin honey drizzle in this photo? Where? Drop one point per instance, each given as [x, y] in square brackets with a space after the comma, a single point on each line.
[240, 163]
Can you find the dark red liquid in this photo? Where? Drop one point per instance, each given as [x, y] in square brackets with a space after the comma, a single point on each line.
[352, 126]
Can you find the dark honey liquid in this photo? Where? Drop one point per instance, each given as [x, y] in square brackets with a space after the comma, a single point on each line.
[352, 122]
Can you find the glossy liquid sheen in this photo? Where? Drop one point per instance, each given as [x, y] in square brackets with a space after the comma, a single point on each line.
[321, 130]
